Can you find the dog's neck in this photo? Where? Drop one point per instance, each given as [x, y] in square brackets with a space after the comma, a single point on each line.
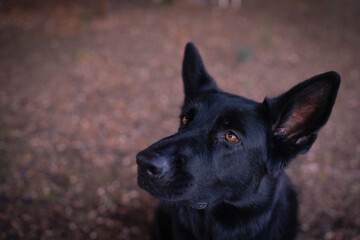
[231, 211]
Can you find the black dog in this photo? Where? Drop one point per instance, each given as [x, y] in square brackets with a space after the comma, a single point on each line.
[221, 175]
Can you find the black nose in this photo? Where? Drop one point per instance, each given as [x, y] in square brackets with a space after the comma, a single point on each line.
[151, 164]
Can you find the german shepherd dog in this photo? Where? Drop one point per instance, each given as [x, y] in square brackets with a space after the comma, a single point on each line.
[221, 176]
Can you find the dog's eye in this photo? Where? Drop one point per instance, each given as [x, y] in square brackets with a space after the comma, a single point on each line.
[184, 120]
[231, 137]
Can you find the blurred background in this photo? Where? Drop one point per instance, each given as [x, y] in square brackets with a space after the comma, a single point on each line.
[86, 84]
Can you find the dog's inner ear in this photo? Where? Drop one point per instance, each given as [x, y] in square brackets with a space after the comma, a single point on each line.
[293, 126]
[303, 113]
[195, 77]
[297, 115]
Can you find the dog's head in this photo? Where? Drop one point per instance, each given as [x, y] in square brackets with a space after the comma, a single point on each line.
[226, 144]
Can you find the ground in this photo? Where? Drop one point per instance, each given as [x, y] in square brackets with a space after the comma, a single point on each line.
[83, 90]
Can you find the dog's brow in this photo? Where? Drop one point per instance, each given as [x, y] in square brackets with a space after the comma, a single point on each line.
[233, 118]
[189, 111]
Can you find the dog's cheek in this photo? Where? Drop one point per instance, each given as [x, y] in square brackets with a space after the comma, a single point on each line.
[227, 157]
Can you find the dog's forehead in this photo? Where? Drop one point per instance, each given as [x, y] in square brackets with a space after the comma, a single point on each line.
[220, 102]
[223, 110]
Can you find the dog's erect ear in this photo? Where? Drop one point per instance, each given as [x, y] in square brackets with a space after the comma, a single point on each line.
[297, 115]
[195, 77]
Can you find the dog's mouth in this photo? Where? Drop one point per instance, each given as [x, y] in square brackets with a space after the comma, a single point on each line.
[163, 192]
[196, 205]
[187, 203]
[172, 195]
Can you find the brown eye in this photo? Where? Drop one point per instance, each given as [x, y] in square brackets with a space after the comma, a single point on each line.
[231, 137]
[185, 120]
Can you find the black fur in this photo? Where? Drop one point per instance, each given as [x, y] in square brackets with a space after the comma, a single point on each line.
[213, 188]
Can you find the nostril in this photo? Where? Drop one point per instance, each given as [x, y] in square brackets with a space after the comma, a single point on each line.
[152, 165]
[153, 171]
[157, 167]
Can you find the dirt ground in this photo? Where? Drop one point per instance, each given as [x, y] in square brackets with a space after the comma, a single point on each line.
[82, 90]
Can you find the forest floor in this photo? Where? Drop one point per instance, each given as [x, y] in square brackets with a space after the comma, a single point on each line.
[83, 90]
